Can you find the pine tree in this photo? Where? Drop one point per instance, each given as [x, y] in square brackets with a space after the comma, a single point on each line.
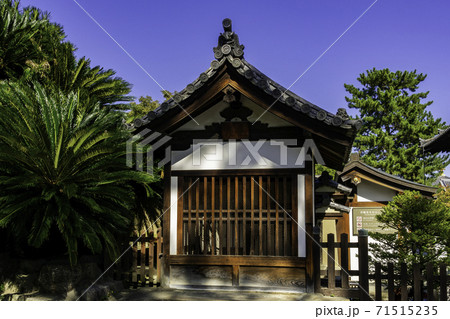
[422, 230]
[395, 118]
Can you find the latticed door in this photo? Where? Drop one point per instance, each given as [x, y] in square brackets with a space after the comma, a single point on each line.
[239, 215]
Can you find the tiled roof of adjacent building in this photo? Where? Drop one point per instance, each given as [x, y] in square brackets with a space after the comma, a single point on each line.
[438, 143]
[395, 181]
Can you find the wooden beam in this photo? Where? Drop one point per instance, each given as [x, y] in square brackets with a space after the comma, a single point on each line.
[264, 261]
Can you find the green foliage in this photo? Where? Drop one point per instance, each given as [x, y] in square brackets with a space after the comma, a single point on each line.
[145, 105]
[395, 119]
[139, 110]
[63, 172]
[319, 169]
[33, 49]
[62, 166]
[422, 228]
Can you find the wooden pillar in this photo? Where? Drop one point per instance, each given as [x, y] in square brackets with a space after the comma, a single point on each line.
[331, 273]
[165, 267]
[316, 259]
[309, 220]
[344, 261]
[363, 259]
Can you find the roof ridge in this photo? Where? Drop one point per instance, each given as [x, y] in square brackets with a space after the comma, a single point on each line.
[229, 50]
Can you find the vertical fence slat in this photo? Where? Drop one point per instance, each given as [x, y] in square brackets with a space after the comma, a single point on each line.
[378, 296]
[391, 292]
[430, 281]
[159, 244]
[269, 231]
[220, 216]
[417, 281]
[134, 279]
[191, 231]
[277, 225]
[316, 259]
[228, 216]
[143, 263]
[205, 216]
[404, 281]
[285, 217]
[213, 212]
[363, 264]
[197, 217]
[252, 207]
[244, 215]
[236, 216]
[443, 281]
[344, 261]
[331, 261]
[260, 236]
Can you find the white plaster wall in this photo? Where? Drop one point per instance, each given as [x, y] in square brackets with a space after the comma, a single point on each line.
[367, 192]
[217, 155]
[371, 192]
[212, 115]
[173, 214]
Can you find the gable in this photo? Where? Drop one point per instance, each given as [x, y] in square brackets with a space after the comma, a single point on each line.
[198, 108]
[212, 115]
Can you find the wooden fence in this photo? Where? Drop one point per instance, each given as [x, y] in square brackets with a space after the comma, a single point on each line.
[142, 265]
[423, 287]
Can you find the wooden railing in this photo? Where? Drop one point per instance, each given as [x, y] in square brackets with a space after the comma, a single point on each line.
[398, 287]
[238, 215]
[142, 264]
[337, 282]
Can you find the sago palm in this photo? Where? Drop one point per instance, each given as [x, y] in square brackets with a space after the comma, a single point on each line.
[62, 167]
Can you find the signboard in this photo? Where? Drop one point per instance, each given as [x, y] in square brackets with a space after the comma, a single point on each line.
[365, 218]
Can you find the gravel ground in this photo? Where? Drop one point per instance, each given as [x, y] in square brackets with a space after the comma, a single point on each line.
[165, 294]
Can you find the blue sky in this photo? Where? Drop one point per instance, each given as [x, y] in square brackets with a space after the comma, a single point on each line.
[173, 41]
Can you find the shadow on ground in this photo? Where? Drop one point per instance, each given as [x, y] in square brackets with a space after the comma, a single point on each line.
[164, 294]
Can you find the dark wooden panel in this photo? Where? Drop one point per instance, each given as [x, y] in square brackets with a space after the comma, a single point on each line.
[201, 275]
[236, 275]
[235, 130]
[271, 277]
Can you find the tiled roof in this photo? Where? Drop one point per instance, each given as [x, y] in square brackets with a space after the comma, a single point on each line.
[437, 143]
[399, 182]
[230, 51]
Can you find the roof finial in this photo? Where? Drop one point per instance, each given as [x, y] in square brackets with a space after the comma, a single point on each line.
[228, 42]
